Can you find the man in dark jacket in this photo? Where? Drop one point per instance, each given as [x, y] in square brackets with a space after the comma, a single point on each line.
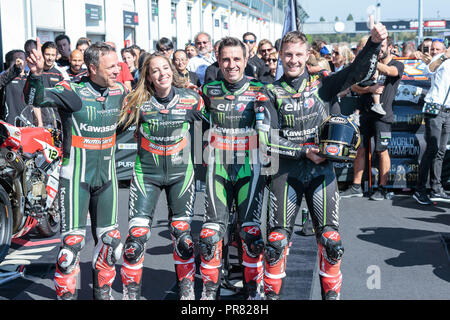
[12, 82]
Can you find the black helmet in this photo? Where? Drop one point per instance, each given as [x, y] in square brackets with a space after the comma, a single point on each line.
[338, 138]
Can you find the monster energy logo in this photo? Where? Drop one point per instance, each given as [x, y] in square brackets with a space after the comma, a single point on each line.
[153, 124]
[91, 113]
[289, 119]
[221, 117]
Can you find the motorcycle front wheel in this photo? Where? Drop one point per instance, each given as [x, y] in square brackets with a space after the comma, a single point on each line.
[5, 223]
[49, 224]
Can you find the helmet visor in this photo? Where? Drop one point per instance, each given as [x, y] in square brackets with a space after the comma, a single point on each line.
[338, 132]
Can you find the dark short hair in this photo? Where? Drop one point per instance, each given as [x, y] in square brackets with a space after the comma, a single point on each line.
[390, 41]
[164, 42]
[135, 46]
[9, 57]
[180, 50]
[129, 50]
[277, 44]
[317, 44]
[62, 37]
[248, 34]
[232, 42]
[48, 44]
[95, 51]
[28, 43]
[82, 41]
[141, 60]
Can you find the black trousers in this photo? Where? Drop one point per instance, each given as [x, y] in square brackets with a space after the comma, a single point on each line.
[437, 129]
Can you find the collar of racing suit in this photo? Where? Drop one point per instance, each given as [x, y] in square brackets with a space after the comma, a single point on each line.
[296, 82]
[97, 88]
[166, 100]
[233, 87]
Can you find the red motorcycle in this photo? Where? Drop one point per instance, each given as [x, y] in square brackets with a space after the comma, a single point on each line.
[30, 160]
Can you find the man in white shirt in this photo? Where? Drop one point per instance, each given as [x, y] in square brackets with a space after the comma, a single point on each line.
[205, 58]
[437, 127]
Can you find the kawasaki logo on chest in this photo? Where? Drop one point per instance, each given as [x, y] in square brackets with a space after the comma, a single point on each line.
[85, 127]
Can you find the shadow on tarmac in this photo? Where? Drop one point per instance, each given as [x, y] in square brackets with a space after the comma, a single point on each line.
[418, 247]
[411, 203]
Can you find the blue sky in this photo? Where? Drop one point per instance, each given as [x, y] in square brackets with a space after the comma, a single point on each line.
[390, 9]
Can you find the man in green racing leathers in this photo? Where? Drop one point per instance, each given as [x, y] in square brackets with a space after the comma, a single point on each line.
[290, 110]
[89, 111]
[234, 174]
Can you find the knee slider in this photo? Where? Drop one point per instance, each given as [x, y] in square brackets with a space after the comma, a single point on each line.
[184, 246]
[277, 242]
[209, 239]
[331, 241]
[183, 243]
[69, 253]
[252, 240]
[109, 248]
[135, 244]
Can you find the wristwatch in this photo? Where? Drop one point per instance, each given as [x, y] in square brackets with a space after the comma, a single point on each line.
[443, 58]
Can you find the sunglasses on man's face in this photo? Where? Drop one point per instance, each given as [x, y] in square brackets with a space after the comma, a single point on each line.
[266, 50]
[249, 41]
[201, 42]
[273, 60]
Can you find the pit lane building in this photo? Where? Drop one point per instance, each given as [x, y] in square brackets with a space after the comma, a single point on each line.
[140, 22]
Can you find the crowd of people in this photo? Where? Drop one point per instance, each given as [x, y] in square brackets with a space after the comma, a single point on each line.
[231, 86]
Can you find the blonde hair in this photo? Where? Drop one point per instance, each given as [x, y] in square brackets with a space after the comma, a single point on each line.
[324, 64]
[263, 42]
[312, 61]
[274, 55]
[144, 91]
[345, 52]
[362, 42]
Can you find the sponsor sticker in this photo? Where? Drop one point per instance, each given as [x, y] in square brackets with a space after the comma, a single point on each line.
[260, 116]
[179, 111]
[188, 101]
[215, 92]
[127, 146]
[332, 150]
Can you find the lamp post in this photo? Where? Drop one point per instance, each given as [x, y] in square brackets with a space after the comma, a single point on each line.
[420, 29]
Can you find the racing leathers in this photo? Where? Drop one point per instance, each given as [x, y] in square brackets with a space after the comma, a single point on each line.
[289, 112]
[164, 161]
[233, 177]
[88, 179]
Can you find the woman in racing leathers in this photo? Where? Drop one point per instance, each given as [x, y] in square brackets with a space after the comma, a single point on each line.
[164, 113]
